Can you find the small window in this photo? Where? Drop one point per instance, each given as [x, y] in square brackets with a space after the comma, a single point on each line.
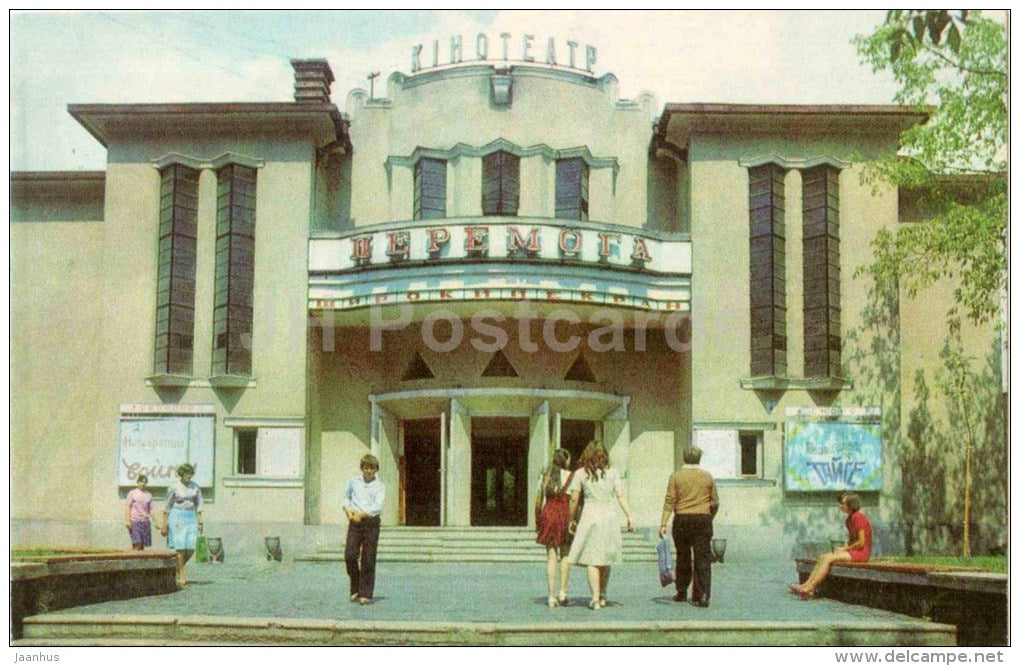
[749, 453]
[501, 173]
[572, 189]
[269, 452]
[246, 442]
[429, 189]
[730, 454]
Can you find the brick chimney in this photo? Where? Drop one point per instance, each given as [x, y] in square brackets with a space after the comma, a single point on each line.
[312, 79]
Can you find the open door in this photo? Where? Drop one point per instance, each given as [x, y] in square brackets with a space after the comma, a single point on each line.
[387, 447]
[539, 452]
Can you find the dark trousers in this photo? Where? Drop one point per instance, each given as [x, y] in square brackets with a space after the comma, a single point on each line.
[692, 534]
[362, 542]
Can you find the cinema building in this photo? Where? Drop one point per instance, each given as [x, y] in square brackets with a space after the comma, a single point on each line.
[492, 260]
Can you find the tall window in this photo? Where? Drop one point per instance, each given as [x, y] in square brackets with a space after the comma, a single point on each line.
[429, 189]
[822, 343]
[235, 270]
[768, 271]
[175, 291]
[501, 186]
[572, 189]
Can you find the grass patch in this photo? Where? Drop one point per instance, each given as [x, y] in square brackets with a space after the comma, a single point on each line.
[988, 563]
[55, 552]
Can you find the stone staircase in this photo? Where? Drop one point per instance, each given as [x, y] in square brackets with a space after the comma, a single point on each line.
[470, 544]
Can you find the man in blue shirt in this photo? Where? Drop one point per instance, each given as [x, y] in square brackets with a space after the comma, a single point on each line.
[363, 502]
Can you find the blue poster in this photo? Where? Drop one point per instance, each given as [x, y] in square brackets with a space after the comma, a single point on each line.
[827, 455]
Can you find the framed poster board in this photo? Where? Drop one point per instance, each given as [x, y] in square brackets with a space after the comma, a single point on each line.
[719, 452]
[832, 455]
[155, 444]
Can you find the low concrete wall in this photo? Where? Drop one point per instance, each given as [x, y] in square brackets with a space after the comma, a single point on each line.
[44, 584]
[976, 602]
[244, 540]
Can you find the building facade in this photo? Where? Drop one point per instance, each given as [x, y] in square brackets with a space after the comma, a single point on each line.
[487, 263]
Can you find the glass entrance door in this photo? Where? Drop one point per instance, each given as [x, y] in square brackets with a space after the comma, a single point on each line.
[499, 484]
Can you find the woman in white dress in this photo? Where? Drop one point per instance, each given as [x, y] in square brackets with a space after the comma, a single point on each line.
[597, 540]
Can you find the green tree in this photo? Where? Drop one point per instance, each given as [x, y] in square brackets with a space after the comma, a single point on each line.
[955, 167]
[955, 163]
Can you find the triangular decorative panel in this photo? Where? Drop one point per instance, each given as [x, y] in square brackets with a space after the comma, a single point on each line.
[580, 371]
[417, 369]
[499, 366]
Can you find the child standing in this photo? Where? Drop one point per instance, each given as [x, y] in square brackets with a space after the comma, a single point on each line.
[137, 518]
[363, 502]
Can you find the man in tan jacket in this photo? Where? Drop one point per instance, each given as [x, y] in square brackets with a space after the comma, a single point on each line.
[692, 496]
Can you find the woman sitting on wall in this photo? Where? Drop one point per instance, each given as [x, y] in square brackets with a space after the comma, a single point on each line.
[857, 548]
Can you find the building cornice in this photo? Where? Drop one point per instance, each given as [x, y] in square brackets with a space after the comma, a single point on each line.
[680, 121]
[57, 176]
[793, 162]
[464, 150]
[106, 122]
[214, 163]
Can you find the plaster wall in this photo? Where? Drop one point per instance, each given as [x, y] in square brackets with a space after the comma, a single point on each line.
[55, 255]
[442, 110]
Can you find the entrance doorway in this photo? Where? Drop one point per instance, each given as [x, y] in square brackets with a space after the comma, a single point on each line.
[499, 468]
[575, 435]
[422, 441]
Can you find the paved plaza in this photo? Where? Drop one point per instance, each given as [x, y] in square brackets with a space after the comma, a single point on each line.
[473, 592]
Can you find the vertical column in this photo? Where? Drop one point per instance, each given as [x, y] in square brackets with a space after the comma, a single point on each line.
[458, 466]
[555, 439]
[401, 193]
[386, 446]
[616, 433]
[538, 452]
[535, 198]
[444, 441]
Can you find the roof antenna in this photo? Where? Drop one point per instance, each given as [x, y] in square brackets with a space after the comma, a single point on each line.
[371, 84]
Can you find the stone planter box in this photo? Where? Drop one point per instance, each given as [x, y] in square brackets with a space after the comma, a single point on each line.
[974, 601]
[44, 584]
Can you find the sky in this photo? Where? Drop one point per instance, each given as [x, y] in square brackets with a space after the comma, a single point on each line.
[61, 58]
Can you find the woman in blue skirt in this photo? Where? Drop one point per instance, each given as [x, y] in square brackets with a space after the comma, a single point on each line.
[182, 517]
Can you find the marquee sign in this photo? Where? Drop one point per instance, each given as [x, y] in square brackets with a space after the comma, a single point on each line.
[538, 243]
[154, 440]
[528, 49]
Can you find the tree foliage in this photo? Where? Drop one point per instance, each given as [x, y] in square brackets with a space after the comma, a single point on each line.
[955, 163]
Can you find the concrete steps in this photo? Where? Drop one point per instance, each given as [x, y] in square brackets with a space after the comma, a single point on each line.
[162, 630]
[469, 544]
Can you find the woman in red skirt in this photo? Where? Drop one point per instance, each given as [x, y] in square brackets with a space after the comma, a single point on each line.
[552, 517]
[857, 548]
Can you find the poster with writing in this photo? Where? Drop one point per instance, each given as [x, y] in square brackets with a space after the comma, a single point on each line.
[156, 445]
[827, 455]
[719, 452]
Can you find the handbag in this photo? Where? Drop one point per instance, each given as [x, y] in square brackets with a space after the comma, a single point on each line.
[667, 570]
